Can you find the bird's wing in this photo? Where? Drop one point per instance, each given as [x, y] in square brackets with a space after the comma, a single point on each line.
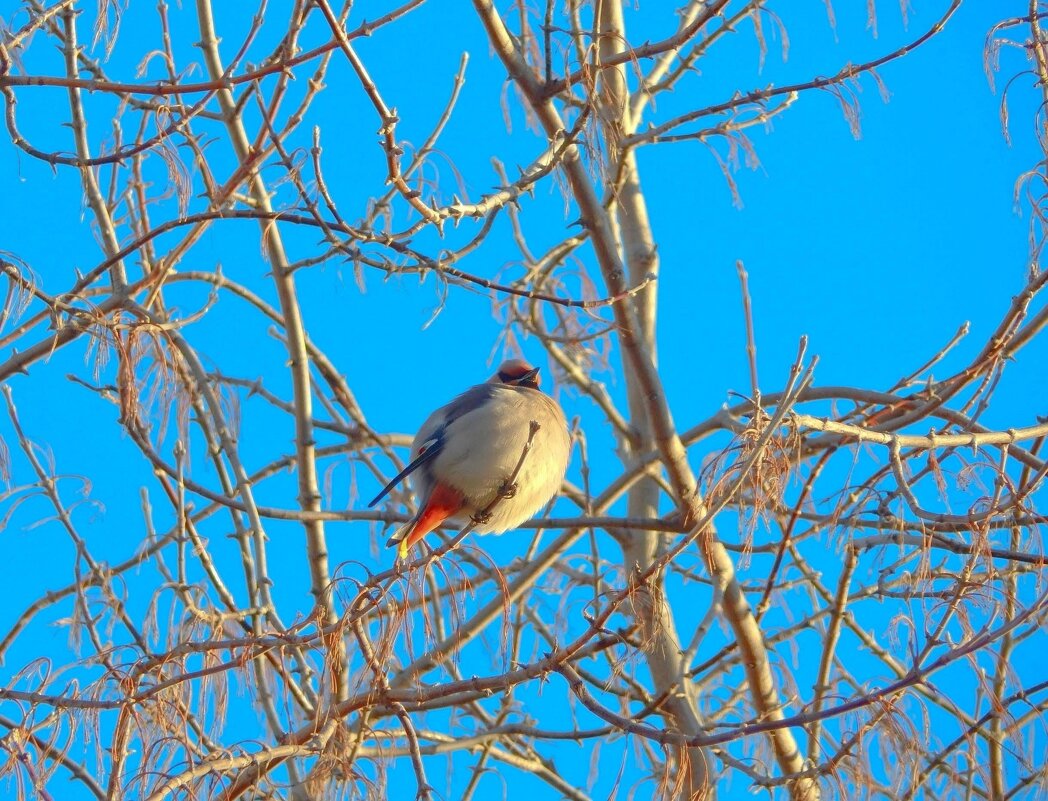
[432, 432]
[469, 401]
[430, 448]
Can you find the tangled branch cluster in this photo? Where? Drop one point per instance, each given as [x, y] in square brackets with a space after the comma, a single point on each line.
[788, 616]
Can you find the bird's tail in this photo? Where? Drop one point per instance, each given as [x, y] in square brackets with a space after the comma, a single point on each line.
[400, 538]
[441, 503]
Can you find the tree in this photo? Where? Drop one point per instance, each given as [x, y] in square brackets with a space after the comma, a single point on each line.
[816, 590]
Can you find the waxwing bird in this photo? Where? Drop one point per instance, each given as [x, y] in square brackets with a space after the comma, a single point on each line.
[467, 450]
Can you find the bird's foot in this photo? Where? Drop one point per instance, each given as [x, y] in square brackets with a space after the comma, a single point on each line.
[480, 518]
[508, 490]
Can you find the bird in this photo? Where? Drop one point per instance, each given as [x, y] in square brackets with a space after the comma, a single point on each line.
[467, 450]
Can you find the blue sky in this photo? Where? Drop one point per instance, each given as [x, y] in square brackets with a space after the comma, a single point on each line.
[877, 247]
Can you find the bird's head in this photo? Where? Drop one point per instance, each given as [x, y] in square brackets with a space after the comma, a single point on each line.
[516, 373]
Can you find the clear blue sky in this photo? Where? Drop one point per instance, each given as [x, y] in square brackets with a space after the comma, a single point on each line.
[877, 247]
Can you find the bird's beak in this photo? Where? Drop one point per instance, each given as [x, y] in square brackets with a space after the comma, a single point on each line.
[528, 376]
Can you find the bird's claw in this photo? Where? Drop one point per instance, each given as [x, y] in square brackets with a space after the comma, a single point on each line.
[508, 490]
[480, 518]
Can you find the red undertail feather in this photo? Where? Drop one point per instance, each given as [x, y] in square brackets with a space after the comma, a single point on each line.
[442, 503]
